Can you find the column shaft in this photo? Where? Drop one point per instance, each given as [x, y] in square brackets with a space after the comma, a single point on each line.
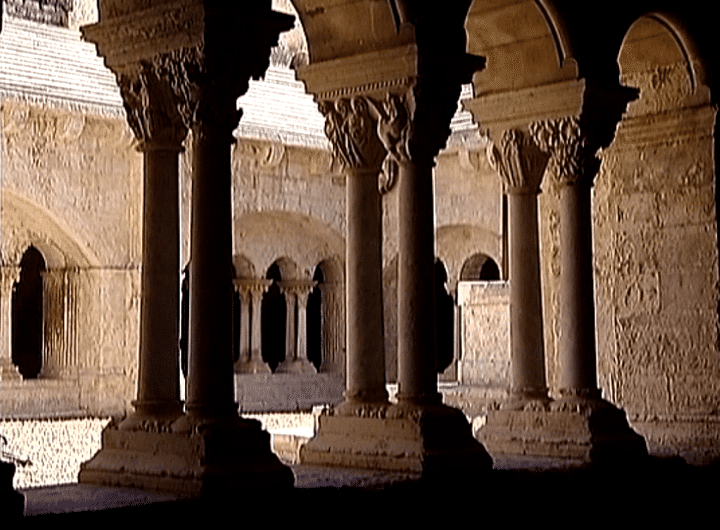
[417, 378]
[158, 376]
[365, 359]
[578, 373]
[526, 330]
[210, 370]
[8, 277]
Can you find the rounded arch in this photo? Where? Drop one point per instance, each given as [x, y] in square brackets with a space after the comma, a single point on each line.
[27, 314]
[303, 240]
[28, 224]
[658, 57]
[479, 267]
[525, 42]
[243, 267]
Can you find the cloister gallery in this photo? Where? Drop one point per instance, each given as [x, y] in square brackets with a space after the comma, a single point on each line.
[500, 210]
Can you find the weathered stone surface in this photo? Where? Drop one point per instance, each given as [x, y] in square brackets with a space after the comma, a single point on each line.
[218, 460]
[431, 442]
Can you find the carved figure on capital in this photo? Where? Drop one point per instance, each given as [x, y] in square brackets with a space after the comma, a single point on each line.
[351, 129]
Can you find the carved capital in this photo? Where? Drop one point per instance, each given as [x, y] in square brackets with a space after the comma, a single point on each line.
[151, 107]
[351, 128]
[563, 139]
[519, 161]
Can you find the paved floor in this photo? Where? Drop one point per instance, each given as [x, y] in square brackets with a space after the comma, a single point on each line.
[667, 485]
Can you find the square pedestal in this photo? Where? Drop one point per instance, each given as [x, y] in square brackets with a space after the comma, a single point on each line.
[561, 434]
[424, 441]
[212, 459]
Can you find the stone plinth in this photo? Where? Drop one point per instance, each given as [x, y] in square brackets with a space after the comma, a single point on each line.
[561, 434]
[212, 459]
[430, 441]
[287, 392]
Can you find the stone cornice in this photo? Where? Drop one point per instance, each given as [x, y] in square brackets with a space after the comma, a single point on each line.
[146, 33]
[372, 74]
[507, 110]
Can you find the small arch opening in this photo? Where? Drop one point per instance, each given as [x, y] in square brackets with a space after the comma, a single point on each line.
[480, 267]
[27, 315]
[273, 317]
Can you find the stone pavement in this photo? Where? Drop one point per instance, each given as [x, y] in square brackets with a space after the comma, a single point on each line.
[667, 483]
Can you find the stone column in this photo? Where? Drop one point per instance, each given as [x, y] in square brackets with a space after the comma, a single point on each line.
[158, 127]
[521, 164]
[409, 116]
[417, 374]
[244, 331]
[9, 275]
[251, 294]
[60, 320]
[352, 130]
[296, 359]
[257, 290]
[202, 54]
[572, 170]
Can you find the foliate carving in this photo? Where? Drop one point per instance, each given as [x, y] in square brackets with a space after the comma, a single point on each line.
[564, 141]
[151, 107]
[351, 129]
[519, 161]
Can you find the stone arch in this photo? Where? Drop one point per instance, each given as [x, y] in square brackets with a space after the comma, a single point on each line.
[26, 223]
[659, 59]
[243, 267]
[479, 267]
[525, 44]
[27, 314]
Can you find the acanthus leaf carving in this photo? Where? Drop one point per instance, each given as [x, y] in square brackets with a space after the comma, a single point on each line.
[564, 140]
[519, 161]
[150, 107]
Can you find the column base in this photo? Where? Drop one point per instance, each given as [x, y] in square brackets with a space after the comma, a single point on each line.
[8, 371]
[566, 433]
[296, 366]
[211, 459]
[253, 366]
[425, 441]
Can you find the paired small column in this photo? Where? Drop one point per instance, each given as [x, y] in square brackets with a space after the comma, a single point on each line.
[296, 295]
[9, 275]
[251, 292]
[521, 164]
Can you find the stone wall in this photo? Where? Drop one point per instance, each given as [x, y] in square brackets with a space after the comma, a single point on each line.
[71, 189]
